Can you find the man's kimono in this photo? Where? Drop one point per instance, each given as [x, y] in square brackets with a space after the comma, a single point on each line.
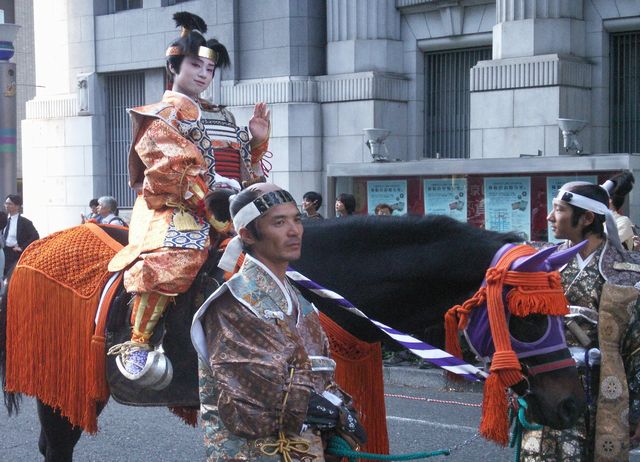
[263, 352]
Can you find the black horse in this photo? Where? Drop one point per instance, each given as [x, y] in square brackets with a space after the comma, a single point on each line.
[402, 271]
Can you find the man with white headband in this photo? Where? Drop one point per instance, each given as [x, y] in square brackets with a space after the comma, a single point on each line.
[599, 285]
[267, 386]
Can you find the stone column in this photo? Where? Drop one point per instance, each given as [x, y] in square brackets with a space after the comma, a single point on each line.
[364, 86]
[537, 75]
[363, 35]
[8, 160]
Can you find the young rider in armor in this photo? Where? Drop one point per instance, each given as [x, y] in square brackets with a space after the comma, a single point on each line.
[183, 148]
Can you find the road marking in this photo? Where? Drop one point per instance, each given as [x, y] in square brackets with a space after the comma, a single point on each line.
[433, 424]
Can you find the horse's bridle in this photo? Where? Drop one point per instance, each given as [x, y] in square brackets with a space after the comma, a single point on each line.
[541, 364]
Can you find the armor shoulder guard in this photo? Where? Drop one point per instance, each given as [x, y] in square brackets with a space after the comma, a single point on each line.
[621, 268]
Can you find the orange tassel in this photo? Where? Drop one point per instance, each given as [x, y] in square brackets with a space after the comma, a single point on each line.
[452, 340]
[494, 424]
[98, 388]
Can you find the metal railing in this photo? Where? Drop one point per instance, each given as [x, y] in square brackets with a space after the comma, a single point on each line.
[122, 91]
[625, 92]
[447, 100]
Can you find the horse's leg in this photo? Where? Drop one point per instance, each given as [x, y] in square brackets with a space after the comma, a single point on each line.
[57, 436]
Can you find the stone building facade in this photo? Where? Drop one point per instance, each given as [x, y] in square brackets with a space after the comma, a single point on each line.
[462, 85]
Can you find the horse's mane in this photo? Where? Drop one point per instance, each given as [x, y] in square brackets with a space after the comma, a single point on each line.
[367, 232]
[406, 270]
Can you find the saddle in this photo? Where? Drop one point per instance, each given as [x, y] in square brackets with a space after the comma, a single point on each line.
[172, 332]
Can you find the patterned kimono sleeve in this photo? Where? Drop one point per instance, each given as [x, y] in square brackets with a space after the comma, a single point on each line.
[174, 166]
[630, 352]
[250, 360]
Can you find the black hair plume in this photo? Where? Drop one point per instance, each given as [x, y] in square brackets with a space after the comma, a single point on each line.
[190, 21]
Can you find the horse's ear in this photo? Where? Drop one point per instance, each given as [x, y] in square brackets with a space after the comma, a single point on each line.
[561, 258]
[535, 262]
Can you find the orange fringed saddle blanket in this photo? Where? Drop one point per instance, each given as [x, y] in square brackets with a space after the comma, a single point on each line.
[51, 308]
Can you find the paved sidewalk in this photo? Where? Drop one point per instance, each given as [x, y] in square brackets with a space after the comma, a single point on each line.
[411, 376]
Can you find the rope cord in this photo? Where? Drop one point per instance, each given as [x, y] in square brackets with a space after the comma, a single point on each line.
[284, 445]
[431, 400]
[521, 424]
[339, 447]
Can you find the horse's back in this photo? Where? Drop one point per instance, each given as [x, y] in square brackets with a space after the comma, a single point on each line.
[403, 271]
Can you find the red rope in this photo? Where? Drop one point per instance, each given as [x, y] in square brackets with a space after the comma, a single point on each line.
[431, 400]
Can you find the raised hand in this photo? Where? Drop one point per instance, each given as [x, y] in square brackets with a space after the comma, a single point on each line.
[259, 124]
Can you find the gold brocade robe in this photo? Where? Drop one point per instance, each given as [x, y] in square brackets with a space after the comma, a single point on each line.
[164, 167]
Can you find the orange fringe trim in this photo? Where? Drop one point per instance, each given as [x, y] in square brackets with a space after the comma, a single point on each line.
[187, 415]
[359, 372]
[50, 324]
[97, 367]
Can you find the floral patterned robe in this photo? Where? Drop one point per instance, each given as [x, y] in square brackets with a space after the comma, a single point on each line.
[250, 335]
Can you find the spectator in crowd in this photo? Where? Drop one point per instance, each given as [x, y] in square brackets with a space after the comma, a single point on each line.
[383, 209]
[18, 233]
[345, 205]
[618, 187]
[94, 215]
[311, 202]
[108, 211]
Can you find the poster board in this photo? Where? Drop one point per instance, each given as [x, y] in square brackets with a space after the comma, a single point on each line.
[446, 196]
[508, 204]
[391, 192]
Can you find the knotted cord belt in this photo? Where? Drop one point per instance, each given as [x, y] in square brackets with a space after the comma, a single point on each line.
[284, 445]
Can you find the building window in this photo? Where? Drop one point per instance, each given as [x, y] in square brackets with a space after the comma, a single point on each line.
[122, 91]
[447, 101]
[625, 92]
[173, 2]
[123, 5]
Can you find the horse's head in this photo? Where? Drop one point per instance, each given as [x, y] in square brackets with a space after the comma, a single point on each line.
[514, 324]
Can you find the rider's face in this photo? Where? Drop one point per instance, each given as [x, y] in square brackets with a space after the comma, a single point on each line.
[194, 77]
[280, 240]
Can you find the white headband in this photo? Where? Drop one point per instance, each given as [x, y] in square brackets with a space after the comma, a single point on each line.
[594, 206]
[246, 215]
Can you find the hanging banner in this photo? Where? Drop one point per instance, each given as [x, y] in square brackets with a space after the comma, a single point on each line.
[508, 205]
[446, 196]
[390, 192]
[553, 184]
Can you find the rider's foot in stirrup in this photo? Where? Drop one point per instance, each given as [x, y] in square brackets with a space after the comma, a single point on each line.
[133, 361]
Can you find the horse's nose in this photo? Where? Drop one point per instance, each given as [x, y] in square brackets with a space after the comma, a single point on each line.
[569, 411]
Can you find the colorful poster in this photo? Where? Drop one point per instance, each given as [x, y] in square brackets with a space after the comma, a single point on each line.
[507, 202]
[446, 196]
[553, 184]
[390, 192]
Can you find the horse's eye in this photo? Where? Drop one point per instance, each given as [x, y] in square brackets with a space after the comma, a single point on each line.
[529, 329]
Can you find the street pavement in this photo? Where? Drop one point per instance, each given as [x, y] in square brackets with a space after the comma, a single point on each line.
[423, 414]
